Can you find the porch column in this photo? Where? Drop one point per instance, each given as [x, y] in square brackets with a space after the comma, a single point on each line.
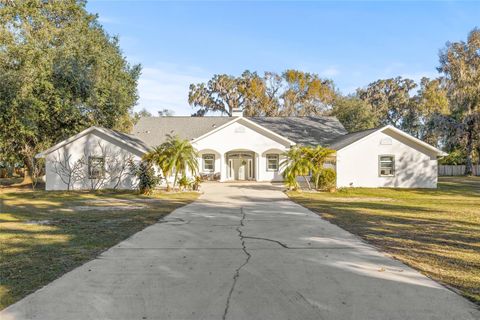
[257, 166]
[223, 171]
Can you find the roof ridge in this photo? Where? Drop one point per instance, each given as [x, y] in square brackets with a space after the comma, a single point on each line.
[314, 116]
[364, 130]
[228, 117]
[190, 117]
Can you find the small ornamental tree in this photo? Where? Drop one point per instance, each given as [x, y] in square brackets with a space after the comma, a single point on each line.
[147, 179]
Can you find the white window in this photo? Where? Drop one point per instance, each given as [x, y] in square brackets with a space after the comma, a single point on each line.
[386, 166]
[272, 162]
[208, 162]
[96, 167]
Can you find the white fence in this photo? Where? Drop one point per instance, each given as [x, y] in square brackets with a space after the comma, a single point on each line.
[456, 170]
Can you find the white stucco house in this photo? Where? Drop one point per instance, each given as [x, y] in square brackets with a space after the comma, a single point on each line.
[243, 148]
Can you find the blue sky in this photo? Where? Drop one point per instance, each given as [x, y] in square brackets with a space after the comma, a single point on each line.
[353, 43]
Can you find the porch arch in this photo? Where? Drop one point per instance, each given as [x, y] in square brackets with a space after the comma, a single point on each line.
[241, 164]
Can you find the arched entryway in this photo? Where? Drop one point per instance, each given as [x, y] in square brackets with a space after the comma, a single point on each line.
[240, 165]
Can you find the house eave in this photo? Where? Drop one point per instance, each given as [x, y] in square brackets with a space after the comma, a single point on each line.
[92, 129]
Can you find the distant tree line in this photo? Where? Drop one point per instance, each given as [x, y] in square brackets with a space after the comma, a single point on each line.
[444, 112]
[144, 113]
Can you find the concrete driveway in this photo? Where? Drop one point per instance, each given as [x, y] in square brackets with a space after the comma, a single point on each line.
[243, 251]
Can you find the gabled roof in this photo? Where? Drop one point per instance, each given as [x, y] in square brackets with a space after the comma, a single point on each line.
[123, 138]
[351, 138]
[301, 130]
[345, 140]
[250, 123]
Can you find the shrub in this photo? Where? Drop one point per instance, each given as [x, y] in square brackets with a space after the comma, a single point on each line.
[184, 183]
[325, 179]
[147, 179]
[300, 161]
[196, 183]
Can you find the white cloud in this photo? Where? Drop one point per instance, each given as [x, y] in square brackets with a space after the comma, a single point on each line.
[166, 87]
[329, 72]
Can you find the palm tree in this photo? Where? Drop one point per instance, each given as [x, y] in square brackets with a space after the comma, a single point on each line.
[318, 157]
[174, 156]
[300, 161]
[183, 157]
[296, 164]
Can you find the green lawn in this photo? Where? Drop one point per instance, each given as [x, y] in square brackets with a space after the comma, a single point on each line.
[45, 234]
[434, 231]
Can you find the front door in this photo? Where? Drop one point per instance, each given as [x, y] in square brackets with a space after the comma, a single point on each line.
[249, 169]
[240, 166]
[241, 169]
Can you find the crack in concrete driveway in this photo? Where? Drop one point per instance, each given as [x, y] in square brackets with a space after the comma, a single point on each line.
[287, 263]
[237, 271]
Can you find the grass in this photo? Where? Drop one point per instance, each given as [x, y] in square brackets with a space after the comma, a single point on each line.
[434, 231]
[46, 234]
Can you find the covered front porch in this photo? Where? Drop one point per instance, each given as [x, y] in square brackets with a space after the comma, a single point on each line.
[241, 151]
[240, 165]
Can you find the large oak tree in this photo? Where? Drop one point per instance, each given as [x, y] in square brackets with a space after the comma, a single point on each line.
[60, 72]
[292, 93]
[390, 100]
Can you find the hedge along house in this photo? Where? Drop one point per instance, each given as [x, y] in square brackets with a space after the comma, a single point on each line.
[238, 148]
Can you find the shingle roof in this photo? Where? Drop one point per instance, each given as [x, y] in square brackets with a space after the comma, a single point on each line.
[128, 138]
[154, 130]
[345, 140]
[302, 130]
[310, 131]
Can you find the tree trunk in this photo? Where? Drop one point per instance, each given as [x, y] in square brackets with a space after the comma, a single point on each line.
[478, 153]
[29, 168]
[469, 148]
[166, 175]
[175, 179]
